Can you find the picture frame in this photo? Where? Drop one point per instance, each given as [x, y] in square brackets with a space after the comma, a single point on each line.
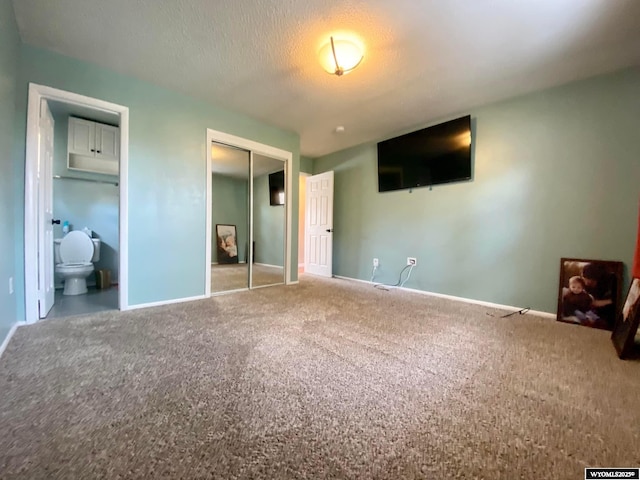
[623, 336]
[227, 241]
[589, 292]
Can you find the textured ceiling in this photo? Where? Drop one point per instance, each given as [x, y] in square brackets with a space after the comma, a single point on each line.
[424, 60]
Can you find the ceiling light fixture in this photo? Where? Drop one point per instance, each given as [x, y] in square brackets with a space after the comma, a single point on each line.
[339, 57]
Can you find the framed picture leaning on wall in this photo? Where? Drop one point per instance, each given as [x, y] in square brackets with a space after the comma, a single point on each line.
[589, 292]
[227, 239]
[624, 333]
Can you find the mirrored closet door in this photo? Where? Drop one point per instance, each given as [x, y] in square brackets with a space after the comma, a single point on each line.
[248, 220]
[229, 218]
[268, 221]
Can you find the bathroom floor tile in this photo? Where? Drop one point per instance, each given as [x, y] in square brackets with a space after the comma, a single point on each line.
[93, 301]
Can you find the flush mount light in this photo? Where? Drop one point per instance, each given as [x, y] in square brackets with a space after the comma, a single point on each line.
[339, 57]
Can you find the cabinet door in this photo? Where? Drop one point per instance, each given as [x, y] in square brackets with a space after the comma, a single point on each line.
[81, 137]
[107, 142]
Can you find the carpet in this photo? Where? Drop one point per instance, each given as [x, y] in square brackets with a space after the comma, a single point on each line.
[235, 276]
[325, 379]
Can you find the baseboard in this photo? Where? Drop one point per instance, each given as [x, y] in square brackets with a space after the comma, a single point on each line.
[7, 339]
[267, 265]
[257, 287]
[480, 302]
[226, 292]
[459, 299]
[353, 279]
[166, 302]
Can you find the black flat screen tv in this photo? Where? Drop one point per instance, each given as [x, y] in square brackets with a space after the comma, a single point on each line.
[431, 156]
[276, 188]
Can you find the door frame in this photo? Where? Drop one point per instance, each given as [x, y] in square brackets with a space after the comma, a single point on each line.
[36, 94]
[262, 149]
[302, 220]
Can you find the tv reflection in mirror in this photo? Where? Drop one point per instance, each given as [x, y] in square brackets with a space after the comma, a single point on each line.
[276, 188]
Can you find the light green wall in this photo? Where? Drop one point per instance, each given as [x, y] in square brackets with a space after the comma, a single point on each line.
[268, 225]
[556, 174]
[230, 205]
[167, 170]
[306, 164]
[9, 58]
[85, 204]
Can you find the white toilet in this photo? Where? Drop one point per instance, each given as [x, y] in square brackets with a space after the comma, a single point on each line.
[74, 255]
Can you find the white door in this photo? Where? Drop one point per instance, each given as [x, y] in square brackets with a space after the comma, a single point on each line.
[318, 249]
[45, 211]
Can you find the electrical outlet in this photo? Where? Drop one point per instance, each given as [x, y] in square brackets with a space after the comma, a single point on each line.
[10, 285]
[376, 262]
[412, 261]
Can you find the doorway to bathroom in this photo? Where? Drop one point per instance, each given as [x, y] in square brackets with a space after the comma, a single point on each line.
[77, 151]
[249, 214]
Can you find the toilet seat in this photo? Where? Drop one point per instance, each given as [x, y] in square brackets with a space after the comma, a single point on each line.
[72, 267]
[76, 249]
[75, 254]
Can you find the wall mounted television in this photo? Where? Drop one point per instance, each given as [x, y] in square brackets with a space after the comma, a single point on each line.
[431, 156]
[276, 188]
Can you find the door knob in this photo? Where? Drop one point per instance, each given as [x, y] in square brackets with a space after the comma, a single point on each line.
[55, 222]
[329, 230]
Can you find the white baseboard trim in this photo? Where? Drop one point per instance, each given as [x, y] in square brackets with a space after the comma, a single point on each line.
[480, 302]
[6, 341]
[458, 299]
[225, 292]
[166, 302]
[354, 280]
[256, 287]
[267, 265]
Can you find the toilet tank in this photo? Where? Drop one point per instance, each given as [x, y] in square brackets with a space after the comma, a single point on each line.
[56, 250]
[96, 250]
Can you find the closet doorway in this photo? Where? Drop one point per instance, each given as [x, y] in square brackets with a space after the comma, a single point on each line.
[249, 214]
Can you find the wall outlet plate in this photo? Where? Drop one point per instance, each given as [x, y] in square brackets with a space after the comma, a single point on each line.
[376, 262]
[412, 261]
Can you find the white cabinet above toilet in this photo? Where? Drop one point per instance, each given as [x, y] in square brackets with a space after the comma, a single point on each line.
[93, 147]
